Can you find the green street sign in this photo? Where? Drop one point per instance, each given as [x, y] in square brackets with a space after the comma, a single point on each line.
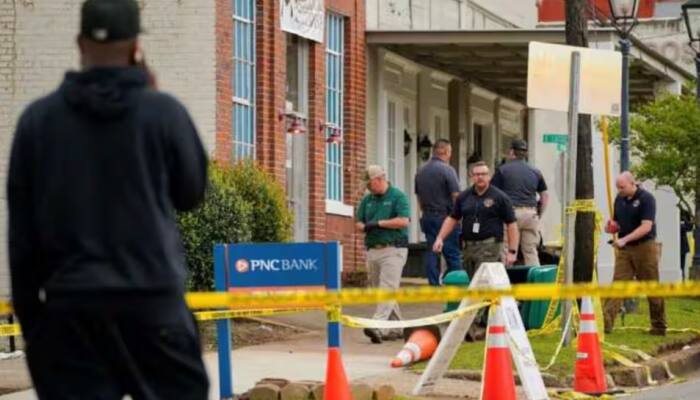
[557, 138]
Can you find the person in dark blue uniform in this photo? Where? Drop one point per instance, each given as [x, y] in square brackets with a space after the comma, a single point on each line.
[637, 257]
[437, 187]
[485, 213]
[97, 170]
[527, 189]
[685, 227]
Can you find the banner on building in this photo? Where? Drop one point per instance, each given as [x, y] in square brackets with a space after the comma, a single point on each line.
[303, 17]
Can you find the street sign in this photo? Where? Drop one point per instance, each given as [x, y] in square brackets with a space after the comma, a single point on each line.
[560, 139]
[549, 79]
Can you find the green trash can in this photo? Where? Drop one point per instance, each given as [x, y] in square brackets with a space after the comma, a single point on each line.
[455, 278]
[534, 312]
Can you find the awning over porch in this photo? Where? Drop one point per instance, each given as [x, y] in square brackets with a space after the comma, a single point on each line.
[497, 59]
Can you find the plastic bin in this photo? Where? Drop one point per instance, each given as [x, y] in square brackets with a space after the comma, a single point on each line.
[455, 278]
[534, 312]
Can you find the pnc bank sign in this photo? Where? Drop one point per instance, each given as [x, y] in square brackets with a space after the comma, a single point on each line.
[276, 265]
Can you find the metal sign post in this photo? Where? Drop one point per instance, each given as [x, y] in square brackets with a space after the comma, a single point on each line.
[571, 182]
[269, 267]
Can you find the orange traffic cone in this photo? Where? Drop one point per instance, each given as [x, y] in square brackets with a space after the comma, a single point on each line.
[337, 387]
[589, 376]
[498, 382]
[420, 346]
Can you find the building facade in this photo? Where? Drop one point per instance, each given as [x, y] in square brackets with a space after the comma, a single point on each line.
[458, 70]
[268, 80]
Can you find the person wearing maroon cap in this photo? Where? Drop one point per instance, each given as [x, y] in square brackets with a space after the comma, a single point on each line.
[97, 170]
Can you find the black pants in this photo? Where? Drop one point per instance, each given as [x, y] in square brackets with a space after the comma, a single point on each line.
[147, 353]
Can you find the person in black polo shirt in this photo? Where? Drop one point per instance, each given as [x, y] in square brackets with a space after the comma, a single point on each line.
[437, 187]
[636, 255]
[484, 211]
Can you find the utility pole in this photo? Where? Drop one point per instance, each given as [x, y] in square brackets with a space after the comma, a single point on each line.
[577, 35]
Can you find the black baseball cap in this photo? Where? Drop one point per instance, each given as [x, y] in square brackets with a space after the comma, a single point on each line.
[518, 144]
[107, 21]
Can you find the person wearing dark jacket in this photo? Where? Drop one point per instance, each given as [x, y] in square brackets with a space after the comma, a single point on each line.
[685, 227]
[97, 170]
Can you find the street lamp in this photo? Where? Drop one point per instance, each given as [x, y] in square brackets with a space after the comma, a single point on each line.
[691, 14]
[623, 15]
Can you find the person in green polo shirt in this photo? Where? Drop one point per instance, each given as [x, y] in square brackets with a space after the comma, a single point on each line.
[383, 215]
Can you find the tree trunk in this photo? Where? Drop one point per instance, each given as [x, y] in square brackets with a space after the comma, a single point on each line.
[694, 272]
[577, 35]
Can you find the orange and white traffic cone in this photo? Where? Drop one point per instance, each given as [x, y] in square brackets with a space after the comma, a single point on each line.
[498, 382]
[337, 387]
[420, 346]
[589, 375]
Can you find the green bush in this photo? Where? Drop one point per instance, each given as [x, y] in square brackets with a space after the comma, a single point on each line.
[272, 221]
[242, 204]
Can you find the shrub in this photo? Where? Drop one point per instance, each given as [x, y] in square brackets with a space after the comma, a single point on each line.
[272, 221]
[242, 204]
[223, 217]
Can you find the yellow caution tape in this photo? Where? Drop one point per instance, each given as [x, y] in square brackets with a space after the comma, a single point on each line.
[645, 357]
[333, 313]
[631, 364]
[357, 322]
[428, 294]
[5, 308]
[10, 330]
[560, 345]
[228, 314]
[571, 395]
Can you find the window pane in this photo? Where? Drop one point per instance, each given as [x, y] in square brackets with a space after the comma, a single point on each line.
[243, 79]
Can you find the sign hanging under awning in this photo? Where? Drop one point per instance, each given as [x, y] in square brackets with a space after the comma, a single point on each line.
[549, 73]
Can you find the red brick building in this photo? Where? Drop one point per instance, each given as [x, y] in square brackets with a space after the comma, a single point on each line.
[272, 84]
[553, 10]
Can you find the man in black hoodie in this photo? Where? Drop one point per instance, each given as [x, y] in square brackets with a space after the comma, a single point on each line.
[97, 170]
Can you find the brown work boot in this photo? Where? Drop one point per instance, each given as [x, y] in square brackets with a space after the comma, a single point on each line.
[374, 335]
[476, 334]
[657, 331]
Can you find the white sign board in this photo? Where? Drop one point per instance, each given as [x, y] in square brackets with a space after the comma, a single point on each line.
[549, 72]
[303, 17]
[491, 275]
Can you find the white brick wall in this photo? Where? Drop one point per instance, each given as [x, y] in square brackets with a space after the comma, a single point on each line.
[37, 45]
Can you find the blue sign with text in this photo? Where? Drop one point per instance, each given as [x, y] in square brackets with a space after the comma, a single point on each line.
[265, 265]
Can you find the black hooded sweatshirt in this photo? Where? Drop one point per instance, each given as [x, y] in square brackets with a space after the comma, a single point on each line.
[97, 170]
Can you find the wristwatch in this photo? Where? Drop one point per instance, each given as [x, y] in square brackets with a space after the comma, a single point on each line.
[511, 251]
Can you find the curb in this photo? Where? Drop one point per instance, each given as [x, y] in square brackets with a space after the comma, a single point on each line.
[472, 375]
[681, 362]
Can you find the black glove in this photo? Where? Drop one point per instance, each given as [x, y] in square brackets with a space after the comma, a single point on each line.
[372, 225]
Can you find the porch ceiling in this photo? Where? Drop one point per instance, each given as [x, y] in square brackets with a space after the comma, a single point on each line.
[497, 60]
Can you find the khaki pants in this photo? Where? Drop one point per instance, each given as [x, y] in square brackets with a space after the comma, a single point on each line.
[529, 227]
[385, 269]
[638, 261]
[476, 253]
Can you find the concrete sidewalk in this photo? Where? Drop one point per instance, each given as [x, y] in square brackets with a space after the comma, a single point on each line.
[304, 356]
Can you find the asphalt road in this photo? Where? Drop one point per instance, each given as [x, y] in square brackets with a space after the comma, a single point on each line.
[689, 390]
